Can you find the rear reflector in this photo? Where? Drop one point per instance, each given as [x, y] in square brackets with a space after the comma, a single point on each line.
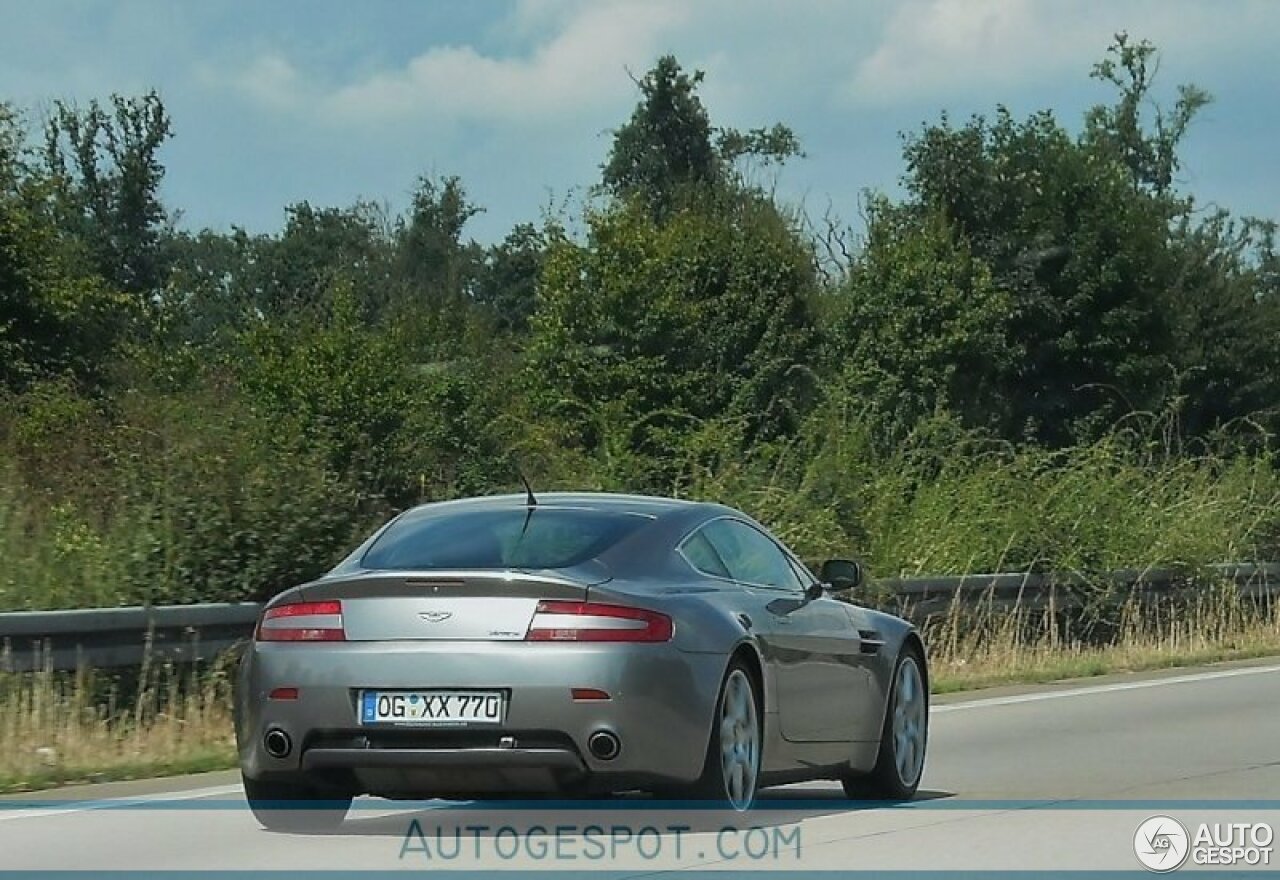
[303, 622]
[283, 694]
[589, 694]
[596, 622]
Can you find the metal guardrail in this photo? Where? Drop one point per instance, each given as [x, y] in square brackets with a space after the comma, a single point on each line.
[119, 637]
[123, 637]
[924, 597]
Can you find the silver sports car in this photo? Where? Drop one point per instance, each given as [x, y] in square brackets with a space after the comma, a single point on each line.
[576, 644]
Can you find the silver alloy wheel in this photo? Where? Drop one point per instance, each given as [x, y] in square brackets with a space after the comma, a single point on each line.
[910, 717]
[739, 741]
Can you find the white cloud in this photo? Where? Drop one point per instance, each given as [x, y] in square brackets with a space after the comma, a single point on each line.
[579, 68]
[270, 80]
[935, 44]
[941, 48]
[533, 20]
[272, 107]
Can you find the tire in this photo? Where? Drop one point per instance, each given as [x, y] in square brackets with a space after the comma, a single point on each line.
[731, 772]
[288, 806]
[903, 739]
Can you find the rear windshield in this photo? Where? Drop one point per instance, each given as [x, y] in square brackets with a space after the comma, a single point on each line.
[544, 537]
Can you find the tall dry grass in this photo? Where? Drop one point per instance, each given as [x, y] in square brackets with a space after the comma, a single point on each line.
[989, 648]
[58, 727]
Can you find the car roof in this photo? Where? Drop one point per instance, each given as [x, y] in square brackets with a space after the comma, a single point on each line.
[650, 505]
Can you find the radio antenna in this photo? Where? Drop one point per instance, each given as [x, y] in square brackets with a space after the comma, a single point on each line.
[529, 500]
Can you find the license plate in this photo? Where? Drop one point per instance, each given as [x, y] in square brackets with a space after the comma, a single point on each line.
[431, 707]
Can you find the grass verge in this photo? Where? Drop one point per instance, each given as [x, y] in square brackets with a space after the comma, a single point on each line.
[1019, 648]
[59, 729]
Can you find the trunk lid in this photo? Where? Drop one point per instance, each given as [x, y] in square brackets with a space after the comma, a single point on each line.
[446, 605]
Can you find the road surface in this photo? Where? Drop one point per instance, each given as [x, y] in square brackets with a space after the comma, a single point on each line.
[1055, 777]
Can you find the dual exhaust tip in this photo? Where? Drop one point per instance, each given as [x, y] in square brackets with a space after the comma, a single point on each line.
[603, 744]
[277, 743]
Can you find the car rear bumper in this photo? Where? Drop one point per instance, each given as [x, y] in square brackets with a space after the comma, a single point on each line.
[660, 708]
[467, 759]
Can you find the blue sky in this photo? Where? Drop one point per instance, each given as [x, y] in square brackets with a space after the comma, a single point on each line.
[276, 101]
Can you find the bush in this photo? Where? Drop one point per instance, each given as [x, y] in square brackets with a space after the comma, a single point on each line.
[195, 499]
[949, 500]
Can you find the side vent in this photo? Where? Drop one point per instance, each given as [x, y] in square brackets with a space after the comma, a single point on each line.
[871, 641]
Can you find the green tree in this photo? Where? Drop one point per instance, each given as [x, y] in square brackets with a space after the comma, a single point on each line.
[666, 145]
[435, 270]
[340, 388]
[920, 325]
[105, 167]
[319, 251]
[214, 285]
[668, 150]
[508, 282]
[1077, 231]
[54, 319]
[1227, 305]
[650, 327]
[1118, 296]
[434, 262]
[1149, 149]
[690, 302]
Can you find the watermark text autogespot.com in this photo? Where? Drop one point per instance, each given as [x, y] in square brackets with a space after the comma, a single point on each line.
[485, 843]
[1232, 843]
[1164, 844]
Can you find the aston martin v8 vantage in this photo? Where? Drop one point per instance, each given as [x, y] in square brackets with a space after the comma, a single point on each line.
[576, 644]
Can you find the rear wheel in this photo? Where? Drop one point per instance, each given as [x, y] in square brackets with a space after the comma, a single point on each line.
[900, 761]
[731, 773]
[290, 806]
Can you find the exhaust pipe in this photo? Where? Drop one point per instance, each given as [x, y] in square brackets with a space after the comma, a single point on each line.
[604, 744]
[277, 743]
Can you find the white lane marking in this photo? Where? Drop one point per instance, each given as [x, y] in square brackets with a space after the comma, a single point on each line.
[190, 794]
[1101, 689]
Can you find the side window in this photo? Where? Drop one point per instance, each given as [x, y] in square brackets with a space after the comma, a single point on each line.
[751, 556]
[702, 556]
[802, 574]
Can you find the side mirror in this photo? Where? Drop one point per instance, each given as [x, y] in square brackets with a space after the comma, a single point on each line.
[842, 574]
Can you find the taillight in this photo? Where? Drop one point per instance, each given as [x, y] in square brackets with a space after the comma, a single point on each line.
[597, 622]
[303, 622]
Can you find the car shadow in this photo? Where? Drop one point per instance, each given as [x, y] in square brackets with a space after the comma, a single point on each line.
[773, 808]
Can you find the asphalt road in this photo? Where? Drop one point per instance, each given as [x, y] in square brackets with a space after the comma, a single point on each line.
[1056, 777]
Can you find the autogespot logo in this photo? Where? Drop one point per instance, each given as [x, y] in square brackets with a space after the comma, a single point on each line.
[1161, 844]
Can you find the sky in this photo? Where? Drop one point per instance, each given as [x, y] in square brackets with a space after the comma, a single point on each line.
[278, 101]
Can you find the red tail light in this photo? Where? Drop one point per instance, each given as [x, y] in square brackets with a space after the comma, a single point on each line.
[597, 622]
[303, 622]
